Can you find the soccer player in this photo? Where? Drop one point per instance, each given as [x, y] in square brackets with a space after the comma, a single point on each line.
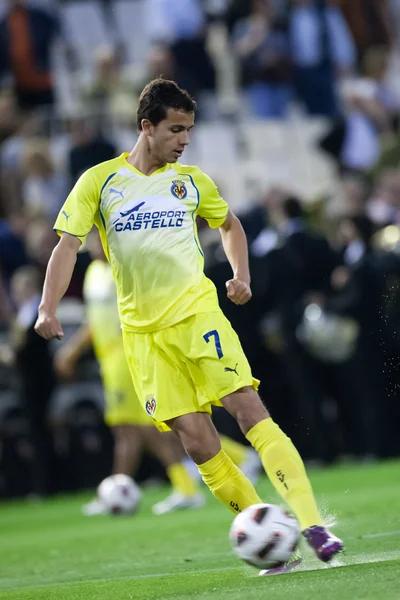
[182, 352]
[132, 428]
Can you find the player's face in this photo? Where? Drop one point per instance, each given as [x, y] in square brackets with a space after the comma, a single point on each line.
[170, 137]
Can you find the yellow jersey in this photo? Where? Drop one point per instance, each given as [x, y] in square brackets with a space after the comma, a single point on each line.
[100, 296]
[147, 225]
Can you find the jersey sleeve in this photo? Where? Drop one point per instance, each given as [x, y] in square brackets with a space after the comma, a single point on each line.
[80, 209]
[211, 206]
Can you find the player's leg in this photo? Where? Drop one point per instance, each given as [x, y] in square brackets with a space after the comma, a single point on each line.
[186, 492]
[128, 445]
[220, 369]
[279, 457]
[283, 466]
[244, 457]
[225, 480]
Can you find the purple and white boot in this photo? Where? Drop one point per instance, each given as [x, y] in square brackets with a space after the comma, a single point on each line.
[323, 542]
[292, 563]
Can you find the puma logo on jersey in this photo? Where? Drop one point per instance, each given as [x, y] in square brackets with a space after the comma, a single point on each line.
[229, 370]
[65, 214]
[120, 193]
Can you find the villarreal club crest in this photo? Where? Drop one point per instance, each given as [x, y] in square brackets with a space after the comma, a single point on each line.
[151, 405]
[178, 189]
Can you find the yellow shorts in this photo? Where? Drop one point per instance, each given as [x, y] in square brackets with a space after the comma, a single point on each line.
[187, 367]
[122, 403]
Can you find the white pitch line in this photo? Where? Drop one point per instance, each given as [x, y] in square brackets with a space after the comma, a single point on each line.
[122, 578]
[307, 565]
[381, 534]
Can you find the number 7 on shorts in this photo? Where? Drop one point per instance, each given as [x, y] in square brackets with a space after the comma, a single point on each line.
[214, 334]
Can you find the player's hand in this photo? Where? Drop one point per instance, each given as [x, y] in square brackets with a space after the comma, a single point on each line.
[48, 326]
[238, 291]
[64, 363]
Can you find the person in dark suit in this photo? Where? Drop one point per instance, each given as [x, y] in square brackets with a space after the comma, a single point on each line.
[35, 370]
[359, 290]
[300, 267]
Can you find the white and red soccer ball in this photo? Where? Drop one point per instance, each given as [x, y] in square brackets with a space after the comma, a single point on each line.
[264, 535]
[119, 494]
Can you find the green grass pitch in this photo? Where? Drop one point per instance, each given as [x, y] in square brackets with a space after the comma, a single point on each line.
[49, 551]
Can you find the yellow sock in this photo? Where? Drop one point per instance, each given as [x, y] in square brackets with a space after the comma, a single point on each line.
[181, 480]
[285, 470]
[227, 483]
[236, 452]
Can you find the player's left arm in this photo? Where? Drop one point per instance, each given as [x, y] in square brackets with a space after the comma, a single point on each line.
[215, 210]
[235, 246]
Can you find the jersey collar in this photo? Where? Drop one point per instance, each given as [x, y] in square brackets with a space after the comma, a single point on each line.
[124, 157]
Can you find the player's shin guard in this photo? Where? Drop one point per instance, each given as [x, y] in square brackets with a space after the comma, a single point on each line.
[181, 480]
[227, 483]
[285, 470]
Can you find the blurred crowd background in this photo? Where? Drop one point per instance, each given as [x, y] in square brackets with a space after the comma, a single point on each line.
[298, 125]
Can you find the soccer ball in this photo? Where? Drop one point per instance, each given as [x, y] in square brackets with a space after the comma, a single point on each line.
[119, 494]
[264, 535]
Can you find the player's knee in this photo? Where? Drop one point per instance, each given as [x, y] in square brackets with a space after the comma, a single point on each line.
[198, 436]
[200, 454]
[246, 407]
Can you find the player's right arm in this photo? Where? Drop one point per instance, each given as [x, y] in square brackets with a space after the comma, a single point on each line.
[75, 220]
[58, 276]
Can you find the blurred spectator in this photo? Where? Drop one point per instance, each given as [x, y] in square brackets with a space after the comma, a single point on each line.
[370, 23]
[259, 222]
[384, 205]
[186, 38]
[355, 139]
[375, 66]
[40, 241]
[235, 11]
[160, 62]
[89, 148]
[263, 52]
[11, 153]
[365, 121]
[13, 252]
[322, 47]
[35, 371]
[356, 232]
[8, 115]
[110, 93]
[349, 199]
[44, 189]
[26, 37]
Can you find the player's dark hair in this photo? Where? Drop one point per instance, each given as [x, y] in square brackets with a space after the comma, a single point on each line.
[158, 96]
